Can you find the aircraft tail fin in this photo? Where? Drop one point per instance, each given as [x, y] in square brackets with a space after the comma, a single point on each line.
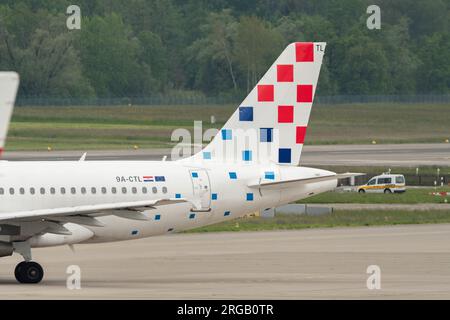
[270, 124]
[9, 83]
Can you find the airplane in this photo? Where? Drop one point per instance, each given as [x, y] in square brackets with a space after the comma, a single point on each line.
[251, 165]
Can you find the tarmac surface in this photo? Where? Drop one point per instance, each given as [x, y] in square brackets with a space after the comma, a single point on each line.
[414, 262]
[437, 154]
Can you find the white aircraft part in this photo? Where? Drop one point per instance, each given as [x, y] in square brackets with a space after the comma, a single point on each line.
[249, 166]
[9, 83]
[78, 234]
[270, 124]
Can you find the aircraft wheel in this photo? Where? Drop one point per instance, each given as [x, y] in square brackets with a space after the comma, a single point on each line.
[17, 271]
[29, 272]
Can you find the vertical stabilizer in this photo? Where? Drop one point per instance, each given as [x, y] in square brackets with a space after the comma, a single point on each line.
[271, 123]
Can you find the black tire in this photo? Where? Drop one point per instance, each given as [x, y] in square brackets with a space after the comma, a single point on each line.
[361, 191]
[17, 271]
[387, 191]
[29, 272]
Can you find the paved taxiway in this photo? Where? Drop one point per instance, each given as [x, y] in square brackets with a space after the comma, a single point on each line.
[316, 263]
[437, 154]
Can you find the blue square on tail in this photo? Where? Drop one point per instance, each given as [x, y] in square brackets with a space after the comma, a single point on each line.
[266, 134]
[245, 113]
[284, 155]
[226, 134]
[247, 155]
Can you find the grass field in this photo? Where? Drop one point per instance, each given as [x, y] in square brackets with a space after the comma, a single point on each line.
[411, 196]
[335, 219]
[36, 128]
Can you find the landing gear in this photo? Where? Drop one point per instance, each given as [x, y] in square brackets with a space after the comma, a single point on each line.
[29, 272]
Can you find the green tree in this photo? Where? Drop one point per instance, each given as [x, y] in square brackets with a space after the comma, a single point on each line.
[434, 72]
[257, 46]
[217, 44]
[109, 55]
[360, 65]
[41, 49]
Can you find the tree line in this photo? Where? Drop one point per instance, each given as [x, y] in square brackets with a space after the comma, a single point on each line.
[221, 47]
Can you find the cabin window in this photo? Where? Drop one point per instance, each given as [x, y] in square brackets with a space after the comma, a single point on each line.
[164, 189]
[11, 191]
[42, 190]
[32, 191]
[134, 190]
[93, 190]
[52, 190]
[144, 190]
[104, 190]
[114, 190]
[73, 190]
[124, 190]
[63, 190]
[154, 190]
[22, 191]
[2, 191]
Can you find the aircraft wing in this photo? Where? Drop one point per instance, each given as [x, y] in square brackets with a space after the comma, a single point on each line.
[282, 184]
[9, 82]
[131, 210]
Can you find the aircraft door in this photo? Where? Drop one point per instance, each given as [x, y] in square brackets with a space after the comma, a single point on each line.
[202, 189]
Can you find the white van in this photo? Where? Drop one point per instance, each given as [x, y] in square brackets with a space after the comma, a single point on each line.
[385, 183]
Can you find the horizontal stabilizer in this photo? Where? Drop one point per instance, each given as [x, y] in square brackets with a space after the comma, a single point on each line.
[282, 184]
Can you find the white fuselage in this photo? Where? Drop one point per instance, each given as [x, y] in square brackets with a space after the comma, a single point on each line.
[26, 186]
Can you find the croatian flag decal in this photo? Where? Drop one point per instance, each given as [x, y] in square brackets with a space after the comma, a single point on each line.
[154, 178]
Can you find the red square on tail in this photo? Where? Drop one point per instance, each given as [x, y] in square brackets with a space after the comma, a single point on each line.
[285, 73]
[265, 92]
[304, 52]
[300, 134]
[304, 93]
[285, 114]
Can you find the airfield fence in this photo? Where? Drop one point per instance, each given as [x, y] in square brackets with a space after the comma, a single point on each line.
[197, 99]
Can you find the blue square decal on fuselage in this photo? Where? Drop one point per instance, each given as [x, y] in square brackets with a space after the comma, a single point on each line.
[249, 196]
[270, 175]
[207, 155]
[245, 113]
[232, 175]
